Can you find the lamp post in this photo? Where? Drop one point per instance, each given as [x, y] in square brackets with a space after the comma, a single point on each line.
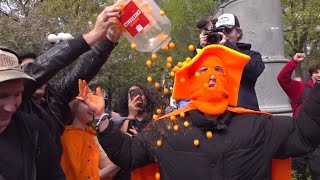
[53, 39]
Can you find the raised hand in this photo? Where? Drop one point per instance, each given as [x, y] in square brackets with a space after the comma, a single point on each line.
[105, 20]
[94, 102]
[299, 57]
[133, 106]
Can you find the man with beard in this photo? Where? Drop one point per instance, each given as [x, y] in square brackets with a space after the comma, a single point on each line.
[212, 138]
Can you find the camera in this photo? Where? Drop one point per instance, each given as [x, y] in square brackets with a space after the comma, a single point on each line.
[212, 31]
[213, 35]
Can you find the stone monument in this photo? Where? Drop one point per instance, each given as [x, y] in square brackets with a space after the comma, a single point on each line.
[261, 21]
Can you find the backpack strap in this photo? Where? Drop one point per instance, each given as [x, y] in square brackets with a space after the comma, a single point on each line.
[303, 96]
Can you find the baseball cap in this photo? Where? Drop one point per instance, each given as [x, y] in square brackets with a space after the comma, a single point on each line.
[9, 66]
[227, 20]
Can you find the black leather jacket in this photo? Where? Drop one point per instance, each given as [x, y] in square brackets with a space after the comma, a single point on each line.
[54, 110]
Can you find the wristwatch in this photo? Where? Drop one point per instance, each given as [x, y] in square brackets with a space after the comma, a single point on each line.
[97, 121]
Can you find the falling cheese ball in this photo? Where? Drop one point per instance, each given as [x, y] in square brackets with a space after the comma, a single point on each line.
[172, 45]
[196, 142]
[148, 63]
[180, 64]
[169, 59]
[191, 48]
[186, 124]
[172, 118]
[209, 134]
[182, 115]
[133, 45]
[188, 59]
[166, 91]
[157, 176]
[176, 128]
[169, 65]
[184, 80]
[175, 69]
[197, 74]
[154, 117]
[154, 56]
[149, 79]
[172, 74]
[162, 13]
[157, 85]
[159, 143]
[159, 111]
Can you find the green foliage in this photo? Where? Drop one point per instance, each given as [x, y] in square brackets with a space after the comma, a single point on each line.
[300, 19]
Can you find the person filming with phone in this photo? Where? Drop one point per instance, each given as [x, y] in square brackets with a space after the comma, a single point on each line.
[136, 104]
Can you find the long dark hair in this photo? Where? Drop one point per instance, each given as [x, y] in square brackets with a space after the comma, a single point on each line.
[121, 105]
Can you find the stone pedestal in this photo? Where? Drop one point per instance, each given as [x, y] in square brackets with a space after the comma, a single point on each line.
[261, 21]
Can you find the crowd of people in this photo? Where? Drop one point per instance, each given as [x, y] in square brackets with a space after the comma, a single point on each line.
[63, 130]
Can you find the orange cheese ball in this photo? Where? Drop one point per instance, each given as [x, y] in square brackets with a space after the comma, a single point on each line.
[188, 59]
[176, 128]
[162, 13]
[172, 118]
[159, 143]
[196, 142]
[197, 74]
[206, 85]
[159, 111]
[191, 48]
[169, 59]
[175, 69]
[182, 80]
[180, 64]
[166, 91]
[164, 37]
[186, 124]
[133, 45]
[157, 85]
[122, 5]
[168, 65]
[172, 45]
[149, 79]
[172, 74]
[157, 176]
[148, 63]
[154, 117]
[182, 115]
[154, 56]
[209, 134]
[165, 47]
[144, 4]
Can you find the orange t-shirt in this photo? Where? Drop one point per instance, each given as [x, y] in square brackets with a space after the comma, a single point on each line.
[80, 158]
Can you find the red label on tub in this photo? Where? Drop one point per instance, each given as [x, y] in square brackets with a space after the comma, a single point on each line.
[133, 19]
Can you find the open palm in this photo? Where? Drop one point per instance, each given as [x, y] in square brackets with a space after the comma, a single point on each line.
[94, 101]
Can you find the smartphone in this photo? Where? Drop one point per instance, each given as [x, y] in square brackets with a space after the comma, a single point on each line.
[134, 92]
[130, 125]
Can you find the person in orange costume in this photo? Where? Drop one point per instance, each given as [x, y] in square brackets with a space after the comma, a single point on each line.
[83, 157]
[212, 138]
